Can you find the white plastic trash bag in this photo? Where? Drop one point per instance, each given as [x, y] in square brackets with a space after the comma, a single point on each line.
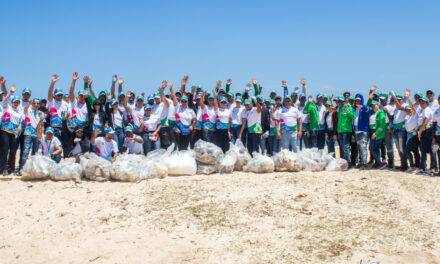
[228, 162]
[259, 164]
[37, 167]
[208, 153]
[66, 171]
[243, 156]
[95, 168]
[180, 163]
[337, 164]
[286, 160]
[154, 169]
[127, 168]
[206, 168]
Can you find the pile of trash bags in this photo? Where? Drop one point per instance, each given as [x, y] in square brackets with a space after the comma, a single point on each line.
[206, 158]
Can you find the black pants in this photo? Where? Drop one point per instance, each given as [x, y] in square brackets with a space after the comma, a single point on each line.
[412, 151]
[21, 146]
[8, 151]
[222, 139]
[183, 141]
[320, 139]
[253, 142]
[195, 136]
[167, 137]
[425, 147]
[353, 150]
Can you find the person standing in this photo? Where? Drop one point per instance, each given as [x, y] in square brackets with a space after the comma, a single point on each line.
[361, 126]
[378, 136]
[345, 126]
[252, 124]
[330, 126]
[425, 132]
[289, 125]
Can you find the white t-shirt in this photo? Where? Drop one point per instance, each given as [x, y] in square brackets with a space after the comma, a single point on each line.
[96, 120]
[399, 115]
[288, 117]
[373, 119]
[223, 115]
[118, 119]
[321, 114]
[436, 118]
[254, 121]
[426, 113]
[434, 105]
[11, 118]
[411, 122]
[237, 115]
[184, 115]
[31, 121]
[329, 120]
[57, 111]
[150, 123]
[105, 149]
[79, 111]
[132, 146]
[49, 146]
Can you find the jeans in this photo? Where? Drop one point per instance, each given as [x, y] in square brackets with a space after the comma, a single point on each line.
[375, 145]
[425, 147]
[320, 137]
[412, 150]
[274, 145]
[119, 138]
[344, 141]
[8, 151]
[148, 144]
[56, 158]
[30, 145]
[362, 146]
[289, 140]
[263, 146]
[235, 132]
[389, 145]
[208, 135]
[399, 137]
[330, 142]
[253, 142]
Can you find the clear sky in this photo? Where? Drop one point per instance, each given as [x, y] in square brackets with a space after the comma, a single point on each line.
[336, 45]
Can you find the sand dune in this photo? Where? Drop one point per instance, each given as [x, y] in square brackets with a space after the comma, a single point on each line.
[326, 217]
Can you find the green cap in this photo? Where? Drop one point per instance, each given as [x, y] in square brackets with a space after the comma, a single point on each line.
[238, 99]
[374, 102]
[128, 129]
[329, 103]
[248, 101]
[424, 98]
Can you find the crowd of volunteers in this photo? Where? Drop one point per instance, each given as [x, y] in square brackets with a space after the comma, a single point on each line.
[366, 129]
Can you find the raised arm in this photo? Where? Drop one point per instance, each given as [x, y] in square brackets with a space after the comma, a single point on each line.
[172, 94]
[256, 87]
[72, 86]
[120, 83]
[285, 89]
[53, 80]
[113, 87]
[228, 85]
[259, 107]
[303, 86]
[162, 94]
[183, 84]
[3, 85]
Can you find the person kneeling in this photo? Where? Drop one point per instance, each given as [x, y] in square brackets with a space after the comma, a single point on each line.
[51, 145]
[105, 147]
[132, 142]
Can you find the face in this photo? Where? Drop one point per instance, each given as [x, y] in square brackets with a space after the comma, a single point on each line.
[328, 107]
[248, 106]
[357, 102]
[238, 104]
[35, 104]
[222, 104]
[129, 134]
[287, 103]
[26, 96]
[43, 104]
[147, 112]
[121, 99]
[157, 100]
[49, 136]
[430, 96]
[375, 107]
[109, 136]
[59, 97]
[97, 107]
[139, 103]
[184, 103]
[114, 106]
[16, 104]
[423, 104]
[302, 100]
[79, 133]
[81, 98]
[320, 100]
[211, 101]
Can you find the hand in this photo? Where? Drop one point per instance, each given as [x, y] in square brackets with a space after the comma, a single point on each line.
[13, 88]
[75, 76]
[114, 78]
[191, 128]
[120, 81]
[300, 134]
[163, 85]
[303, 81]
[278, 135]
[254, 81]
[143, 94]
[96, 133]
[229, 135]
[373, 88]
[420, 134]
[335, 138]
[283, 83]
[239, 136]
[229, 81]
[2, 80]
[185, 79]
[373, 136]
[54, 78]
[406, 94]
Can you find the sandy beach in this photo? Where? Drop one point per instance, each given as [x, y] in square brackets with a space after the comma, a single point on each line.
[325, 217]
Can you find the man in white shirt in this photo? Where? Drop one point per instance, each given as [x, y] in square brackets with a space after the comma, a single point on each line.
[425, 133]
[132, 142]
[105, 147]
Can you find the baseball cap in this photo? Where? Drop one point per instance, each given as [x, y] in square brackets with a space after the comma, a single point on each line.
[248, 101]
[184, 98]
[58, 91]
[27, 90]
[50, 130]
[140, 98]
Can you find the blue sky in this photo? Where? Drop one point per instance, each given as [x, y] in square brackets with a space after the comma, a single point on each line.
[336, 45]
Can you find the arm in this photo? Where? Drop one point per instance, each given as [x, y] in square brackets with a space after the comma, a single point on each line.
[218, 85]
[139, 140]
[93, 137]
[72, 86]
[303, 86]
[3, 85]
[259, 107]
[228, 85]
[40, 128]
[256, 88]
[285, 90]
[162, 95]
[300, 125]
[112, 88]
[57, 151]
[172, 94]
[183, 84]
[53, 80]
[243, 126]
[120, 83]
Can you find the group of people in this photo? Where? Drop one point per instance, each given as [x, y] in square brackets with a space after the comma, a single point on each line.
[71, 123]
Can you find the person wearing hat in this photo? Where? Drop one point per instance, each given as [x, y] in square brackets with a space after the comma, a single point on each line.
[197, 132]
[399, 132]
[133, 144]
[412, 140]
[273, 142]
[79, 144]
[209, 118]
[331, 121]
[320, 133]
[9, 127]
[79, 112]
[117, 119]
[97, 117]
[252, 124]
[32, 119]
[379, 129]
[425, 133]
[150, 128]
[288, 125]
[185, 120]
[104, 146]
[222, 126]
[25, 97]
[346, 117]
[50, 144]
[237, 115]
[58, 108]
[436, 129]
[311, 110]
[433, 103]
[361, 127]
[305, 138]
